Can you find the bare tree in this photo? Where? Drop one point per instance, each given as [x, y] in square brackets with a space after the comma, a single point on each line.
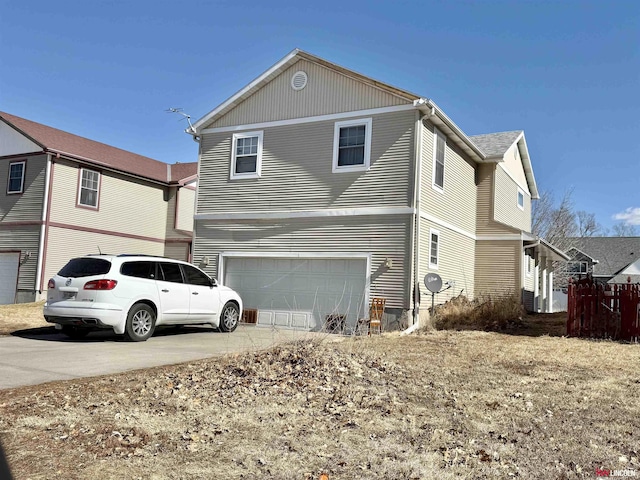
[624, 230]
[554, 223]
[587, 224]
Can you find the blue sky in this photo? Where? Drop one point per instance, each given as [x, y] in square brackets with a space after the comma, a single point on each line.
[566, 72]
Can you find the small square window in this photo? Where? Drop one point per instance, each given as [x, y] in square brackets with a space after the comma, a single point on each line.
[89, 189]
[246, 157]
[434, 246]
[520, 199]
[16, 177]
[352, 145]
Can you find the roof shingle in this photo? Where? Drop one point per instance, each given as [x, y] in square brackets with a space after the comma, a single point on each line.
[58, 141]
[495, 144]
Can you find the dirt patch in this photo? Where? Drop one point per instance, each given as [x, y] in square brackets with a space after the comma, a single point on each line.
[437, 405]
[21, 316]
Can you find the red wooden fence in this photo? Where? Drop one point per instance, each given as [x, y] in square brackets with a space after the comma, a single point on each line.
[603, 311]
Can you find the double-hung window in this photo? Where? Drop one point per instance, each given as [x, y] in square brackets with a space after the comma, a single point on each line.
[246, 157]
[438, 160]
[16, 177]
[434, 248]
[352, 145]
[89, 188]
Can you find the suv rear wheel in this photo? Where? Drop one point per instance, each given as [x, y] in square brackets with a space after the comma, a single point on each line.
[141, 323]
[230, 317]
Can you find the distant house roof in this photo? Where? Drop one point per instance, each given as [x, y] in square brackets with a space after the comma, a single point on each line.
[613, 254]
[496, 144]
[73, 146]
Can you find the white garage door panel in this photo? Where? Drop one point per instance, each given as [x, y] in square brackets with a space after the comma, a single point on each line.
[8, 277]
[299, 293]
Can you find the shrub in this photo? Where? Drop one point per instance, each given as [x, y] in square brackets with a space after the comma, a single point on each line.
[485, 313]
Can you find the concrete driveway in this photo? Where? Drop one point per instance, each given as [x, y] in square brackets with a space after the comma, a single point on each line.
[34, 359]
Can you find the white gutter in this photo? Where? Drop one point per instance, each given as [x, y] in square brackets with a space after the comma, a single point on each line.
[45, 206]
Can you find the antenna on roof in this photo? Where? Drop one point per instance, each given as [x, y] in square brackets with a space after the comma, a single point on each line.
[188, 117]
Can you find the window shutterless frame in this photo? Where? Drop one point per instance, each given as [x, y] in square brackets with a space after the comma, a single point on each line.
[89, 188]
[15, 181]
[520, 199]
[434, 249]
[439, 148]
[352, 145]
[246, 155]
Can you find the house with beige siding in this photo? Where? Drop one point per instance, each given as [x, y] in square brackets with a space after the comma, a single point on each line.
[62, 196]
[320, 188]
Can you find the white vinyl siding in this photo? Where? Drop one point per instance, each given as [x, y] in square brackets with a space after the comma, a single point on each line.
[506, 210]
[297, 170]
[352, 145]
[246, 155]
[16, 177]
[89, 188]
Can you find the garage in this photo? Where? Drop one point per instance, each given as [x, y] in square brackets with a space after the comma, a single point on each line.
[299, 292]
[9, 263]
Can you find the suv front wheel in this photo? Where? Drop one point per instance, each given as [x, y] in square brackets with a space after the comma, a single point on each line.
[141, 323]
[230, 317]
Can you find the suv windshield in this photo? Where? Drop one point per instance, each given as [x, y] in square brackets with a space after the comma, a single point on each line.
[85, 267]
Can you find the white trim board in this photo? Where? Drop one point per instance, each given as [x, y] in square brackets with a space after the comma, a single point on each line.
[317, 118]
[345, 212]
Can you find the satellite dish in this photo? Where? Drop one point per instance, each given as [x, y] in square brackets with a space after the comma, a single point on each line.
[433, 282]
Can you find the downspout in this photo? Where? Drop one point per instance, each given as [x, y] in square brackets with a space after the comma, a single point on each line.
[43, 226]
[415, 234]
[197, 139]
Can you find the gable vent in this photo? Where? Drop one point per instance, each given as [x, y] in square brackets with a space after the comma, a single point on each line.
[299, 80]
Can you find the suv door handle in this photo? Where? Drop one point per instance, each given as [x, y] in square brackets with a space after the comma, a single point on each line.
[165, 290]
[194, 293]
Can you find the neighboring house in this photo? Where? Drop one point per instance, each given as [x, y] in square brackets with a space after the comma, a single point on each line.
[605, 259]
[63, 195]
[320, 188]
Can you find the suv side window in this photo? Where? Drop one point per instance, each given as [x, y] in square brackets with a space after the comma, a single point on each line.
[170, 272]
[195, 276]
[138, 269]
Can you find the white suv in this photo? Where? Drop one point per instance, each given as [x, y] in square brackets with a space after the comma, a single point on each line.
[132, 294]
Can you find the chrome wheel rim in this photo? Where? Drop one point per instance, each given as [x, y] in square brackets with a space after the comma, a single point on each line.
[230, 317]
[141, 324]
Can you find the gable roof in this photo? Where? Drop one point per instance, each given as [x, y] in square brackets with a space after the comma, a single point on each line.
[55, 141]
[472, 146]
[613, 254]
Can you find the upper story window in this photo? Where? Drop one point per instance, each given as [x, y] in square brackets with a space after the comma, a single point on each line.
[434, 247]
[578, 267]
[352, 145]
[89, 189]
[520, 199]
[438, 160]
[246, 157]
[16, 177]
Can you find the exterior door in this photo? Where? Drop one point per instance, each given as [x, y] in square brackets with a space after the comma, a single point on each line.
[204, 300]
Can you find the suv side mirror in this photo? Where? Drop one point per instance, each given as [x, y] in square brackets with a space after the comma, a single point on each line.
[214, 282]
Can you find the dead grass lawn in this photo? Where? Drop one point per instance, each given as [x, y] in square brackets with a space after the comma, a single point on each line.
[21, 316]
[437, 405]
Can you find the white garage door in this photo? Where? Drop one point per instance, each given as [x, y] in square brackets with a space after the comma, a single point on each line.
[8, 277]
[299, 292]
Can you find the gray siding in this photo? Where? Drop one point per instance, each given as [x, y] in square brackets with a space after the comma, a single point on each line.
[26, 206]
[327, 92]
[505, 201]
[498, 267]
[456, 205]
[24, 238]
[382, 236]
[486, 224]
[297, 170]
[177, 250]
[456, 262]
